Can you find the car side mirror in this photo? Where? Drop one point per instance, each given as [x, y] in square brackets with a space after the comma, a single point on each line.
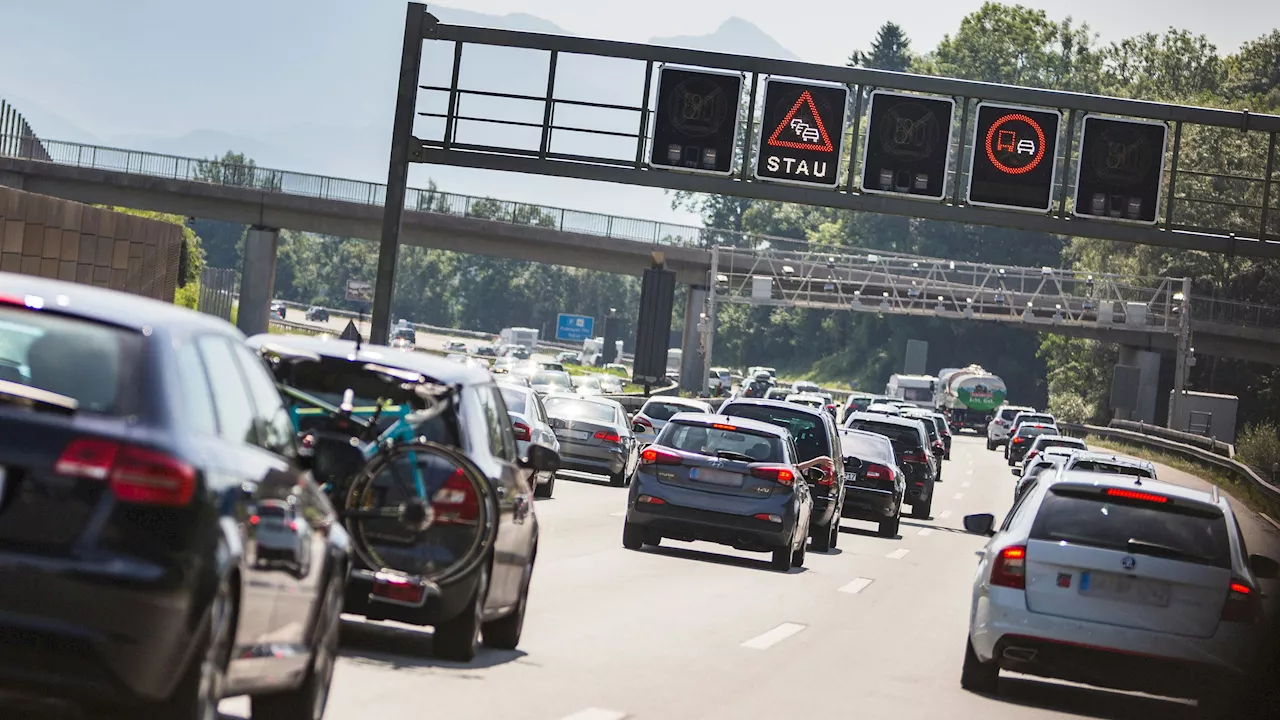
[1016, 472]
[541, 459]
[557, 423]
[1264, 567]
[980, 524]
[852, 464]
[638, 428]
[814, 474]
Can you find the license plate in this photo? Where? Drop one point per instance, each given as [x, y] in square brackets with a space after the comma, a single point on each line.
[573, 434]
[716, 477]
[1123, 588]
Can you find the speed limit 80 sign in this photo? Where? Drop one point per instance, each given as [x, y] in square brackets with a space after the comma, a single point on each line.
[696, 120]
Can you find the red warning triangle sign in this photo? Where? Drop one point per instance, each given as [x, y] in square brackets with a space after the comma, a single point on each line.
[800, 130]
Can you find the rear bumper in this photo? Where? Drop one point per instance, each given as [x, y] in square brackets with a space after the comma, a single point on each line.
[861, 503]
[442, 603]
[591, 458]
[94, 636]
[678, 522]
[1102, 654]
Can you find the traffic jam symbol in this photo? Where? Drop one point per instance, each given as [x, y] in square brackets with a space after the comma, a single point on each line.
[801, 149]
[1013, 165]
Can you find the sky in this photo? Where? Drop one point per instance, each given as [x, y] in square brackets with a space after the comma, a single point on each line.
[826, 32]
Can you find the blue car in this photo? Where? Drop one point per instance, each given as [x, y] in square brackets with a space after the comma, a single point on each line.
[731, 481]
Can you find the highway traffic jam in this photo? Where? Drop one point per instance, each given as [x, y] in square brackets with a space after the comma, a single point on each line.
[298, 526]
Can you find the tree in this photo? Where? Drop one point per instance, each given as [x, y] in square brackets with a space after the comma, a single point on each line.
[234, 168]
[1254, 72]
[891, 50]
[1170, 67]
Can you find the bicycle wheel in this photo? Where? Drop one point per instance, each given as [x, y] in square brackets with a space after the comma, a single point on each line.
[422, 509]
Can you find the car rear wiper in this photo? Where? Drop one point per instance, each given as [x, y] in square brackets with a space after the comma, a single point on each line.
[31, 397]
[1142, 547]
[731, 455]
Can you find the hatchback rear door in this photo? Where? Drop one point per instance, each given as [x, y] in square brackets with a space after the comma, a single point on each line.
[720, 459]
[1130, 558]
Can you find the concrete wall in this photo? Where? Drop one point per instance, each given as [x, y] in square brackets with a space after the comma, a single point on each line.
[55, 238]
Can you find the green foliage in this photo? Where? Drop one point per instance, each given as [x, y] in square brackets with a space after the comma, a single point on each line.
[891, 50]
[1258, 446]
[234, 168]
[1071, 408]
[187, 296]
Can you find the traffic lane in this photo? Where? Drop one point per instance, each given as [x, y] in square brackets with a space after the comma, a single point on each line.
[878, 627]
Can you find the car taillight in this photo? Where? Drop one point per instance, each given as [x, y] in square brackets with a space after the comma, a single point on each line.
[655, 456]
[135, 475]
[937, 444]
[456, 501]
[779, 474]
[1136, 495]
[254, 519]
[610, 437]
[1018, 440]
[915, 456]
[642, 420]
[522, 431]
[293, 525]
[1010, 568]
[1032, 455]
[1242, 604]
[877, 472]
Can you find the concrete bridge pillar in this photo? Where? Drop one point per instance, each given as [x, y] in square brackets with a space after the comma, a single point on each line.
[1148, 363]
[257, 280]
[692, 371]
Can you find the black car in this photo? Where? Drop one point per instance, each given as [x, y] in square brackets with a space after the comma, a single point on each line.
[730, 481]
[1022, 439]
[138, 439]
[814, 433]
[491, 599]
[945, 429]
[758, 387]
[936, 444]
[910, 443]
[874, 485]
[315, 313]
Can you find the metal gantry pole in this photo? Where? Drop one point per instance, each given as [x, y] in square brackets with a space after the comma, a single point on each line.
[1183, 353]
[710, 331]
[418, 22]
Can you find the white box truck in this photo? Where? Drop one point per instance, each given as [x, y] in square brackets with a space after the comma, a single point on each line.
[523, 336]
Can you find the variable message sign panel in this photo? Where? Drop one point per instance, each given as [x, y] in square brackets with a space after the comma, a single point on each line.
[801, 132]
[1014, 157]
[1120, 170]
[908, 145]
[696, 121]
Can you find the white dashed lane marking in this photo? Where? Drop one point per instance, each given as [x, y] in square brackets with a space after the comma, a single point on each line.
[958, 496]
[944, 515]
[595, 714]
[618, 514]
[856, 586]
[898, 554]
[966, 483]
[773, 637]
[925, 531]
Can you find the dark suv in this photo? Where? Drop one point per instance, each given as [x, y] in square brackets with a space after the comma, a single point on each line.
[137, 440]
[490, 599]
[911, 443]
[815, 435]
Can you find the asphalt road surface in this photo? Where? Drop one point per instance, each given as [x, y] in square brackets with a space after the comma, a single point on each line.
[698, 631]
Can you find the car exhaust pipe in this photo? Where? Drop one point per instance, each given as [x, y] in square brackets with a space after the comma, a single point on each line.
[1017, 654]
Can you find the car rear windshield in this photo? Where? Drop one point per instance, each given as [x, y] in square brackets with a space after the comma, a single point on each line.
[571, 409]
[1045, 443]
[863, 448]
[1030, 431]
[665, 410]
[857, 404]
[929, 427]
[916, 394]
[899, 435]
[94, 364]
[1113, 468]
[1134, 526]
[554, 379]
[807, 429]
[1008, 414]
[1037, 419]
[272, 511]
[726, 443]
[516, 400]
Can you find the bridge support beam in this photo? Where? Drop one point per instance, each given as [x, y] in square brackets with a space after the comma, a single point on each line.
[257, 280]
[693, 376]
[1148, 362]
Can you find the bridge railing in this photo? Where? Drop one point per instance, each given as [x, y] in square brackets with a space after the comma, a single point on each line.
[433, 200]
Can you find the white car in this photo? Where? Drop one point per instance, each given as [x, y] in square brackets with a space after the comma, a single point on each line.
[1111, 463]
[1118, 582]
[281, 535]
[998, 428]
[657, 410]
[884, 409]
[530, 426]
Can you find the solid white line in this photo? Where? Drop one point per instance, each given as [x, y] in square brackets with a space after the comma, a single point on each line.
[925, 531]
[958, 496]
[898, 554]
[966, 483]
[618, 514]
[773, 637]
[944, 515]
[595, 714]
[856, 586]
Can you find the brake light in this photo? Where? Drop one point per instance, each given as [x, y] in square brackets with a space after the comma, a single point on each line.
[608, 436]
[877, 472]
[135, 475]
[1136, 495]
[777, 473]
[655, 456]
[1019, 441]
[254, 519]
[720, 426]
[1032, 455]
[293, 525]
[522, 431]
[651, 500]
[1242, 604]
[915, 456]
[456, 501]
[768, 517]
[642, 420]
[1010, 568]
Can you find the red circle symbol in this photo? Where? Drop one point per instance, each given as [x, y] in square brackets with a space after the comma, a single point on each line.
[991, 153]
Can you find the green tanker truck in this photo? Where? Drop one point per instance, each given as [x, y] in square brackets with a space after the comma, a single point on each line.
[969, 397]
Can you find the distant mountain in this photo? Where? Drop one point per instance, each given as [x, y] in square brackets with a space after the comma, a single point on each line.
[735, 36]
[511, 21]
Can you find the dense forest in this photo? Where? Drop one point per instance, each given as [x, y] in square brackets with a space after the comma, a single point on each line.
[998, 43]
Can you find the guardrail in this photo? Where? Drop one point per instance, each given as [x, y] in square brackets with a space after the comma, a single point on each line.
[1213, 445]
[1268, 492]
